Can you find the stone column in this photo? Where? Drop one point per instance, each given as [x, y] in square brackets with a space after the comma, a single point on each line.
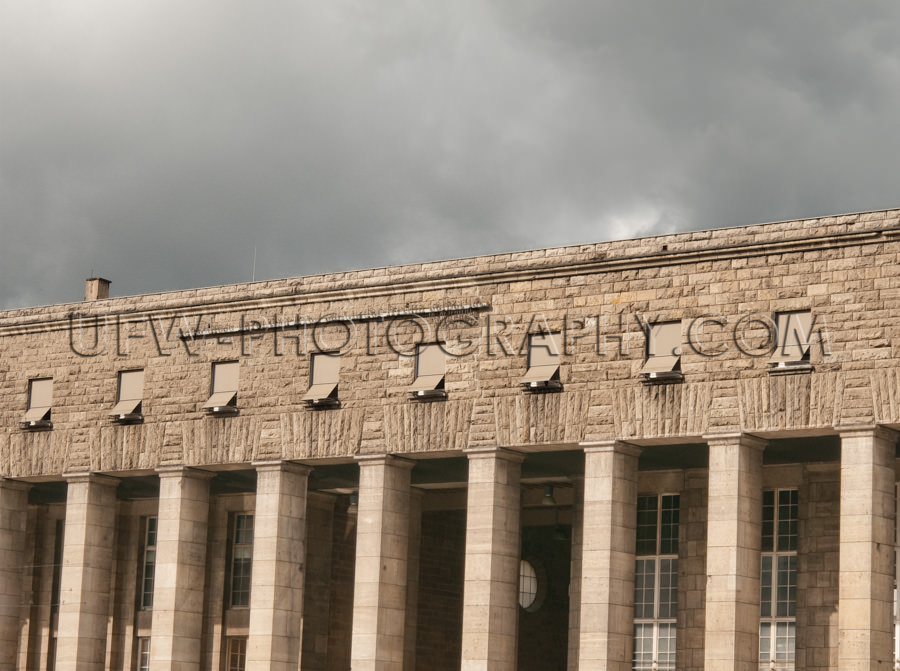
[575, 572]
[86, 578]
[382, 546]
[866, 549]
[279, 557]
[182, 526]
[607, 564]
[734, 539]
[493, 538]
[13, 515]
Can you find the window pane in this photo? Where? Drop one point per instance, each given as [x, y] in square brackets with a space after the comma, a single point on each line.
[644, 582]
[765, 643]
[665, 654]
[646, 525]
[768, 521]
[243, 530]
[643, 647]
[765, 587]
[149, 568]
[787, 520]
[668, 588]
[237, 654]
[784, 642]
[787, 586]
[668, 533]
[527, 584]
[143, 654]
[242, 560]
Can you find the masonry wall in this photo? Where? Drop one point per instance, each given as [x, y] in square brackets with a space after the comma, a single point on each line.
[842, 269]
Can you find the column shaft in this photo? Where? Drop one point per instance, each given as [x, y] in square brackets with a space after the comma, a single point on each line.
[493, 537]
[575, 572]
[866, 550]
[182, 527]
[13, 512]
[607, 564]
[382, 546]
[279, 557]
[734, 539]
[86, 577]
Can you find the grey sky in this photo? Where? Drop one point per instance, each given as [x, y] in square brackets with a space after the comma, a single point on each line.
[156, 142]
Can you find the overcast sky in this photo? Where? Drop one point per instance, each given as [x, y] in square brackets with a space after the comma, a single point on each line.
[157, 142]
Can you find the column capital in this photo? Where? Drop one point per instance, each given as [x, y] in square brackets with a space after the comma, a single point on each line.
[282, 465]
[619, 446]
[95, 478]
[862, 430]
[184, 471]
[495, 452]
[745, 439]
[383, 459]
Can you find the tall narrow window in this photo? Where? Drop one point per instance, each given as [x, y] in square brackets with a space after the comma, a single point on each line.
[793, 331]
[130, 397]
[324, 371]
[431, 364]
[223, 399]
[148, 575]
[656, 583]
[40, 401]
[663, 352]
[778, 580]
[143, 653]
[237, 654]
[241, 560]
[543, 363]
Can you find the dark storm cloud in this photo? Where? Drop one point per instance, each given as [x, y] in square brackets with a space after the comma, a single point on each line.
[156, 143]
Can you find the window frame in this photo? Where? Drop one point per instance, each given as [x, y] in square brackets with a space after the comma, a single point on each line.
[142, 663]
[777, 552]
[323, 379]
[543, 367]
[236, 659]
[663, 339]
[790, 350]
[39, 407]
[430, 371]
[665, 550]
[224, 382]
[129, 403]
[241, 556]
[148, 565]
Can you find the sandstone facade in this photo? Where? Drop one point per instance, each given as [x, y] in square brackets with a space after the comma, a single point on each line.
[725, 512]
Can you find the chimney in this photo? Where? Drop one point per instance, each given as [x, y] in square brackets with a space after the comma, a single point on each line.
[96, 288]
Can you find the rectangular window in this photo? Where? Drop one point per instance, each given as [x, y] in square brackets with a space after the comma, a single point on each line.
[431, 364]
[143, 654]
[656, 583]
[543, 361]
[778, 580]
[40, 400]
[130, 396]
[792, 335]
[241, 560]
[149, 569]
[237, 654]
[663, 350]
[323, 377]
[224, 388]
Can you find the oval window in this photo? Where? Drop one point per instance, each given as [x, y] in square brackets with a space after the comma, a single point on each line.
[528, 584]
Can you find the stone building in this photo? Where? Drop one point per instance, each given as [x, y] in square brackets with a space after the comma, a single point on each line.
[673, 452]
